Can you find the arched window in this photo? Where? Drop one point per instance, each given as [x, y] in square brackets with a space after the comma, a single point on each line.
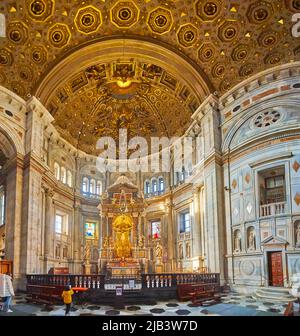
[154, 186]
[85, 183]
[57, 170]
[93, 186]
[147, 187]
[161, 184]
[63, 175]
[99, 188]
[2, 25]
[69, 179]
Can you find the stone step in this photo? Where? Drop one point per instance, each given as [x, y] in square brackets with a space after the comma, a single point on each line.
[276, 290]
[274, 294]
[279, 295]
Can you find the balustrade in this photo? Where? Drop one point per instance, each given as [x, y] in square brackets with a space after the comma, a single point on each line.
[272, 209]
[148, 281]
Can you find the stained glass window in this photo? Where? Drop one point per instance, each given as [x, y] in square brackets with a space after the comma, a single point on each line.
[90, 230]
[156, 229]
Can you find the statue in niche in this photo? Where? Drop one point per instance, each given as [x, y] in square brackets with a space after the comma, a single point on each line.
[188, 250]
[298, 235]
[251, 239]
[180, 252]
[158, 251]
[237, 241]
[141, 241]
[87, 253]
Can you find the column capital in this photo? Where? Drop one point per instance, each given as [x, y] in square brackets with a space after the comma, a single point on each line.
[49, 192]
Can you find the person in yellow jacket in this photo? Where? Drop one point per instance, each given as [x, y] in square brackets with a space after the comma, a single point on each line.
[67, 297]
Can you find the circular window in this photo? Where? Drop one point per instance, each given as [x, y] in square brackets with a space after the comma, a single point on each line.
[266, 119]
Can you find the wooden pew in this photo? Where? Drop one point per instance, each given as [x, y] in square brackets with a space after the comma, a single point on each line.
[44, 294]
[193, 290]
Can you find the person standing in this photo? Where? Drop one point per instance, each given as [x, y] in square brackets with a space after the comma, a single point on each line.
[67, 297]
[6, 291]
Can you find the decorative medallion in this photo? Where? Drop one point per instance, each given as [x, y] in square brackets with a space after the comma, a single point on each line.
[293, 5]
[39, 55]
[18, 89]
[296, 166]
[240, 52]
[160, 20]
[59, 35]
[40, 10]
[248, 178]
[187, 35]
[234, 183]
[25, 73]
[249, 208]
[268, 38]
[247, 69]
[206, 52]
[125, 14]
[259, 12]
[247, 267]
[225, 85]
[208, 10]
[88, 19]
[296, 4]
[273, 58]
[17, 32]
[297, 199]
[218, 70]
[6, 57]
[267, 118]
[228, 31]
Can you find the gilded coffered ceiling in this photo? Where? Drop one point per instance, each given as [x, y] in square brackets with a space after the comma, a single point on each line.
[224, 41]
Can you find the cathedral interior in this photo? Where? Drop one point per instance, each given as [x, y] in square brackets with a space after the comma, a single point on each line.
[225, 72]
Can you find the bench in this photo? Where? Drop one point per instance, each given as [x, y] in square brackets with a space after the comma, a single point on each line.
[188, 291]
[205, 296]
[44, 294]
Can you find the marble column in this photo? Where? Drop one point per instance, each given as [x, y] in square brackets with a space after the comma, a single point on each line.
[196, 228]
[171, 237]
[49, 224]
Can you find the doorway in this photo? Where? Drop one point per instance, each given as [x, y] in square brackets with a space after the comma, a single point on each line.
[275, 269]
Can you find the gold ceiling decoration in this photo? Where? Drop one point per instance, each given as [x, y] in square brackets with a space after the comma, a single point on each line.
[94, 104]
[224, 41]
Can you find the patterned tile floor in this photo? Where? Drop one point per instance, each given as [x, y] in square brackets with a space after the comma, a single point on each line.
[232, 305]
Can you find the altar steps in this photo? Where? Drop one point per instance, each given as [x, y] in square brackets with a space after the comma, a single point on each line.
[141, 297]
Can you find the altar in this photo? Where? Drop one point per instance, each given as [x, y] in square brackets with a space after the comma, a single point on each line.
[126, 268]
[123, 251]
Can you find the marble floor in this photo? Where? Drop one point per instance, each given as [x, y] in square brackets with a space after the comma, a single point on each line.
[232, 305]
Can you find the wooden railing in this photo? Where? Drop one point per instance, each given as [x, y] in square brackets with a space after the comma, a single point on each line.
[165, 280]
[272, 209]
[149, 281]
[84, 281]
